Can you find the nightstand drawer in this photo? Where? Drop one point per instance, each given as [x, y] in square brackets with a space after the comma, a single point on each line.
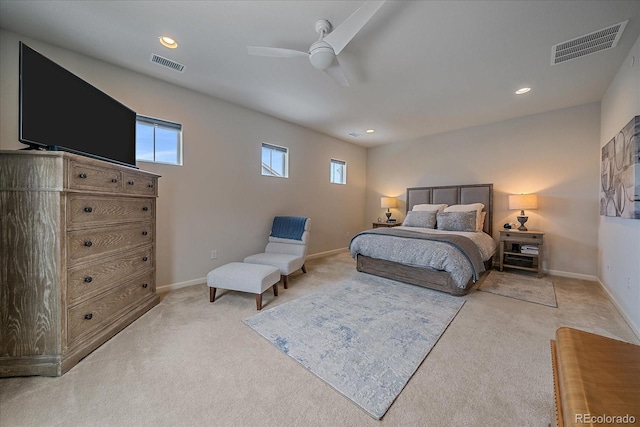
[529, 238]
[386, 224]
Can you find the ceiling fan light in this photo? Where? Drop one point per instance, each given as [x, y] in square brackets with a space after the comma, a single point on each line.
[321, 55]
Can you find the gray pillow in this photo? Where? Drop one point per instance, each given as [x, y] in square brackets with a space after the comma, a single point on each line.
[457, 221]
[424, 219]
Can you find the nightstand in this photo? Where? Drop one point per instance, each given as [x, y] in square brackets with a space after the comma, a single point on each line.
[522, 250]
[386, 224]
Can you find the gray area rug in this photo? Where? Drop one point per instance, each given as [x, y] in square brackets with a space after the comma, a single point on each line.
[520, 286]
[365, 336]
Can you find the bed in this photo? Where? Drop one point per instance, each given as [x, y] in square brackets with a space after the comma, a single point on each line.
[425, 257]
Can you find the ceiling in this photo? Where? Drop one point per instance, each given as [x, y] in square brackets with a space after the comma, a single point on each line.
[417, 68]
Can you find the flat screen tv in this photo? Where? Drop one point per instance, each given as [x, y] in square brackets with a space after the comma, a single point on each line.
[60, 111]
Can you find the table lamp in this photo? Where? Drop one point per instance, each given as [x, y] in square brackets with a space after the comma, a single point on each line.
[522, 202]
[388, 202]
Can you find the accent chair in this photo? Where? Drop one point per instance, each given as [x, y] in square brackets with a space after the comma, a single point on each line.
[287, 254]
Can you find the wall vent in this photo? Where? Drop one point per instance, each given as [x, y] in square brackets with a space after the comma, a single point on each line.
[166, 62]
[596, 41]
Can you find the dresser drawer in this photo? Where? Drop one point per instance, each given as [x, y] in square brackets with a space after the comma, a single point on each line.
[96, 178]
[88, 280]
[97, 210]
[531, 238]
[139, 184]
[97, 242]
[103, 309]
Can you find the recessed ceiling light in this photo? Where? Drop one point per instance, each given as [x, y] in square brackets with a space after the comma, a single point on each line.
[168, 42]
[523, 90]
[370, 131]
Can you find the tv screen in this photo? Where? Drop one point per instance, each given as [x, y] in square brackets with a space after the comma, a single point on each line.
[60, 111]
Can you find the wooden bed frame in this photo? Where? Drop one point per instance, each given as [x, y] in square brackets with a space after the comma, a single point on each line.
[424, 276]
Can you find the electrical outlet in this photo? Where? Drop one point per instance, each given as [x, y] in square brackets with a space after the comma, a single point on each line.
[214, 254]
[628, 283]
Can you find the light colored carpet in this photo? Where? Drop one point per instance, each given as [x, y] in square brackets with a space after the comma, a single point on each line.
[364, 336]
[520, 286]
[188, 362]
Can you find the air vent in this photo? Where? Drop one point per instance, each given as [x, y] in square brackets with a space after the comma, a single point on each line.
[596, 41]
[166, 62]
[354, 134]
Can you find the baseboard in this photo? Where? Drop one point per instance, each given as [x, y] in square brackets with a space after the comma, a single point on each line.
[572, 275]
[174, 286]
[327, 253]
[632, 325]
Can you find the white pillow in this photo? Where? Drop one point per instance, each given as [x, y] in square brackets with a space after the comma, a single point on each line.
[467, 208]
[482, 218]
[429, 208]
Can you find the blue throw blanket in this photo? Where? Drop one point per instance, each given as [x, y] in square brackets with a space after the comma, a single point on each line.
[288, 227]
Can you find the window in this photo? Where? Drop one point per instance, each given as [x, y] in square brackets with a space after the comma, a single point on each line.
[275, 160]
[338, 171]
[158, 141]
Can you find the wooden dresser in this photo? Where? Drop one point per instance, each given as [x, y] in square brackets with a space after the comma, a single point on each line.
[77, 244]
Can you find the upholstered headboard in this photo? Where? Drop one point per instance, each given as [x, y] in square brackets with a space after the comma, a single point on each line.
[455, 195]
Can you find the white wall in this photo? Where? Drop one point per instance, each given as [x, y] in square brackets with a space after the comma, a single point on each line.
[218, 199]
[619, 239]
[553, 154]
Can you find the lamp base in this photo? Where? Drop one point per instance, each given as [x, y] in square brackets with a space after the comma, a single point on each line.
[522, 220]
[388, 214]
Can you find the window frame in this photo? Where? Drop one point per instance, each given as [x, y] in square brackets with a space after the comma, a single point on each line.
[163, 124]
[342, 163]
[269, 167]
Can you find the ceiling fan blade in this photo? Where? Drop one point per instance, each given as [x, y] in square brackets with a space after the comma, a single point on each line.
[336, 73]
[275, 52]
[342, 35]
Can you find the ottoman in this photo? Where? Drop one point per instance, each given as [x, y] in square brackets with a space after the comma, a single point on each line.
[243, 277]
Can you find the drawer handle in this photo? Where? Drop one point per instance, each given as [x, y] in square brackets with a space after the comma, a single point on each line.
[144, 285]
[145, 208]
[88, 209]
[144, 233]
[535, 237]
[88, 279]
[145, 259]
[88, 316]
[83, 176]
[114, 180]
[88, 243]
[130, 182]
[150, 185]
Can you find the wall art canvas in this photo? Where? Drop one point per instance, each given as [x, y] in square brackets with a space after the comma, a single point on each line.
[620, 173]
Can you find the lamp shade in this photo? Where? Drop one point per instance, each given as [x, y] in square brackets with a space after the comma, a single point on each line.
[387, 202]
[523, 201]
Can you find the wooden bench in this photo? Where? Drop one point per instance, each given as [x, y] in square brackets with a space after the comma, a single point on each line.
[596, 380]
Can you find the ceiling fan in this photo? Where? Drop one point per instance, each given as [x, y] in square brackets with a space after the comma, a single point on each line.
[323, 54]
